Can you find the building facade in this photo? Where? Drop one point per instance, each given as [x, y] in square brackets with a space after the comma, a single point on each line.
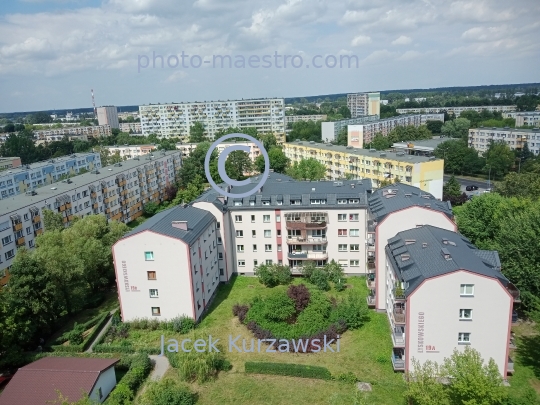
[341, 162]
[188, 148]
[480, 138]
[175, 120]
[130, 151]
[9, 162]
[437, 277]
[108, 115]
[131, 127]
[291, 119]
[56, 134]
[117, 191]
[364, 104]
[28, 177]
[330, 130]
[530, 118]
[457, 110]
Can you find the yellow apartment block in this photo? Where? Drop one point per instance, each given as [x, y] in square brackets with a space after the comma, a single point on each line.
[344, 162]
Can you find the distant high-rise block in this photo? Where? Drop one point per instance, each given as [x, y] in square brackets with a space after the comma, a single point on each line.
[108, 115]
[364, 104]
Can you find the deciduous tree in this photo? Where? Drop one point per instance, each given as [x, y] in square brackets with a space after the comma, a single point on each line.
[307, 169]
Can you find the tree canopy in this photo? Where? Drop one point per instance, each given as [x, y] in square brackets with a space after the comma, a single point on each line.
[307, 169]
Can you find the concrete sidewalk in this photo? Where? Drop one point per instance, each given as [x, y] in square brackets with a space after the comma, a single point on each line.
[161, 365]
[102, 332]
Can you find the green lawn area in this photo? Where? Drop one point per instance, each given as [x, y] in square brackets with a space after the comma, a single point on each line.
[365, 352]
[526, 358]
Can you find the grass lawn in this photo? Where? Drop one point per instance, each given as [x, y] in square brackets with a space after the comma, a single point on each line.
[365, 352]
[110, 302]
[526, 359]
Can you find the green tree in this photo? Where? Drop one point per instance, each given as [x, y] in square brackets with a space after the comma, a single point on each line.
[167, 392]
[269, 141]
[472, 381]
[306, 130]
[452, 188]
[423, 387]
[434, 126]
[53, 220]
[307, 169]
[500, 158]
[238, 163]
[527, 102]
[272, 275]
[191, 192]
[21, 145]
[458, 157]
[520, 185]
[344, 111]
[343, 137]
[278, 161]
[379, 142]
[196, 133]
[150, 208]
[458, 128]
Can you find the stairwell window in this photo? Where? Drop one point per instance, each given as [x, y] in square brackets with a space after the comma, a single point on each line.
[467, 290]
[465, 314]
[156, 311]
[148, 256]
[464, 338]
[153, 293]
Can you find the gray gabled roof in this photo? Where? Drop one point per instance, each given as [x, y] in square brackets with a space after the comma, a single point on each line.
[418, 254]
[198, 220]
[395, 197]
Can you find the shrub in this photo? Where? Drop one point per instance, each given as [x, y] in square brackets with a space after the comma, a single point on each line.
[272, 275]
[319, 278]
[300, 295]
[167, 392]
[354, 311]
[334, 271]
[349, 378]
[291, 370]
[75, 337]
[278, 307]
[240, 311]
[182, 324]
[307, 269]
[125, 391]
[340, 285]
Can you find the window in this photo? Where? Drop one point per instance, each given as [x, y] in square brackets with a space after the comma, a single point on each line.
[241, 263]
[220, 256]
[31, 243]
[148, 256]
[151, 275]
[156, 311]
[354, 201]
[254, 248]
[267, 233]
[219, 240]
[266, 218]
[318, 201]
[267, 248]
[278, 218]
[354, 232]
[221, 272]
[342, 217]
[9, 254]
[238, 218]
[240, 248]
[342, 248]
[343, 262]
[467, 289]
[253, 233]
[6, 240]
[342, 232]
[268, 262]
[239, 234]
[255, 262]
[341, 201]
[253, 218]
[464, 337]
[279, 248]
[238, 203]
[153, 293]
[100, 393]
[355, 263]
[218, 225]
[465, 314]
[353, 217]
[355, 248]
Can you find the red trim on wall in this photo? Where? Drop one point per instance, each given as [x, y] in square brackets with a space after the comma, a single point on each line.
[117, 283]
[382, 252]
[407, 335]
[279, 239]
[191, 282]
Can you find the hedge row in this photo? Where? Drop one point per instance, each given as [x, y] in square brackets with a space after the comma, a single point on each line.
[95, 332]
[98, 323]
[126, 389]
[124, 363]
[290, 370]
[105, 348]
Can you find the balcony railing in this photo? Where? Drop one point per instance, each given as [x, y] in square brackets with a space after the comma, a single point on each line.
[514, 292]
[307, 241]
[308, 255]
[512, 344]
[510, 365]
[398, 363]
[398, 338]
[370, 300]
[399, 294]
[399, 315]
[305, 225]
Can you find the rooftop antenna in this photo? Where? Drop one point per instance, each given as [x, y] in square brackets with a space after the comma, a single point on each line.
[94, 103]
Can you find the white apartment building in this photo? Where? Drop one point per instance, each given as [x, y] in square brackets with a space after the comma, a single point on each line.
[394, 209]
[23, 178]
[108, 115]
[530, 118]
[175, 120]
[131, 127]
[456, 110]
[330, 130]
[118, 192]
[442, 293]
[130, 151]
[364, 104]
[56, 134]
[168, 266]
[367, 131]
[480, 138]
[188, 148]
[291, 119]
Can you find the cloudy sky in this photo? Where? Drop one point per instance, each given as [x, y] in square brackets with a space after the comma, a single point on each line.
[52, 52]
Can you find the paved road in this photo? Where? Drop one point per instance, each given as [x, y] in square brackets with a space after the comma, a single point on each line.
[483, 184]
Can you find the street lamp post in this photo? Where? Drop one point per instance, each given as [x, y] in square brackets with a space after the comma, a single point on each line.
[489, 178]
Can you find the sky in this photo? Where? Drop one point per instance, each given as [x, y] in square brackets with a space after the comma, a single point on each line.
[53, 52]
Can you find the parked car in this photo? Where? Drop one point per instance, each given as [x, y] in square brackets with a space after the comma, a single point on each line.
[471, 188]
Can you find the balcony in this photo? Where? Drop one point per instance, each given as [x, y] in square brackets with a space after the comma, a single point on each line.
[514, 292]
[398, 315]
[20, 241]
[370, 281]
[398, 360]
[303, 255]
[306, 241]
[399, 294]
[38, 232]
[512, 343]
[36, 219]
[370, 301]
[17, 227]
[510, 366]
[398, 338]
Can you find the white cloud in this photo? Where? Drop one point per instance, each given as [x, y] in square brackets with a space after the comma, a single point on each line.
[176, 76]
[361, 40]
[402, 40]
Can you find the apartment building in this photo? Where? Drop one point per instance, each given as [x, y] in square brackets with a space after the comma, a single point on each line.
[341, 162]
[368, 130]
[28, 177]
[9, 162]
[175, 120]
[130, 151]
[117, 191]
[291, 119]
[364, 104]
[108, 115]
[394, 209]
[168, 266]
[56, 134]
[457, 110]
[188, 148]
[330, 130]
[480, 138]
[442, 293]
[530, 118]
[131, 127]
[424, 147]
